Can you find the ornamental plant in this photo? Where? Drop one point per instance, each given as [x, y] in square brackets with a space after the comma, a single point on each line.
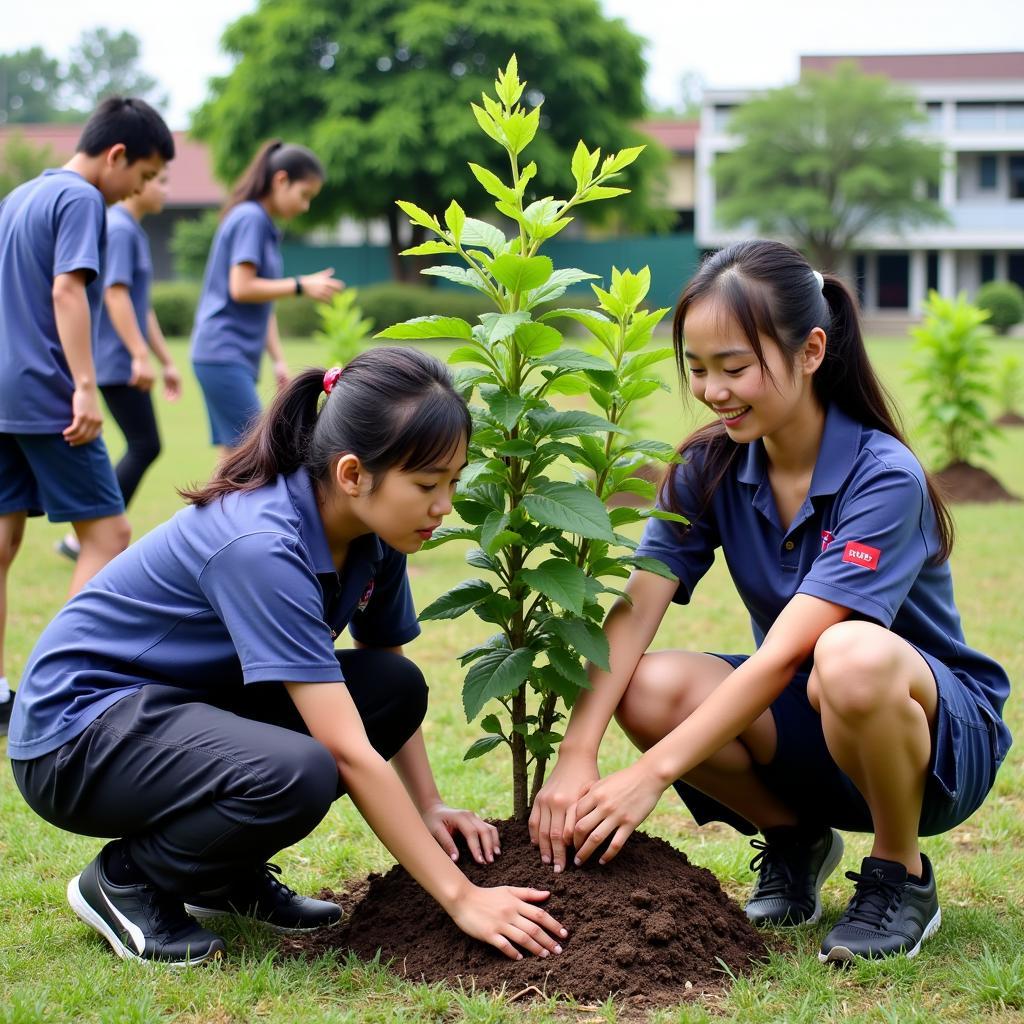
[954, 368]
[1009, 386]
[343, 328]
[533, 496]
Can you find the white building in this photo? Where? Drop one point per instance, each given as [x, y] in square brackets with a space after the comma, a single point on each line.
[975, 107]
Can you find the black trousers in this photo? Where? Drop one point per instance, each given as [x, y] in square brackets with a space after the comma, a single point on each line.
[203, 791]
[132, 410]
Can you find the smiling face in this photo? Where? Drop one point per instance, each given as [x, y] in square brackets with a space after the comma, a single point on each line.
[289, 198]
[725, 374]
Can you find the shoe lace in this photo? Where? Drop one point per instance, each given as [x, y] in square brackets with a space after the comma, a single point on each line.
[166, 914]
[874, 899]
[775, 876]
[275, 886]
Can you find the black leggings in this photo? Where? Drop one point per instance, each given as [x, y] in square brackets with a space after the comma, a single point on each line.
[132, 410]
[204, 788]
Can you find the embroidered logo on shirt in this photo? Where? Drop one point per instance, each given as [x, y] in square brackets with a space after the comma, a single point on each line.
[365, 599]
[862, 554]
[827, 536]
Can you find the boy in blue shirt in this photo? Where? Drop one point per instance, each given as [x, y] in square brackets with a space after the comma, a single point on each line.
[52, 243]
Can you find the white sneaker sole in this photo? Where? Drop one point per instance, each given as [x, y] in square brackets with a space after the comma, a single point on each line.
[840, 954]
[84, 911]
[205, 913]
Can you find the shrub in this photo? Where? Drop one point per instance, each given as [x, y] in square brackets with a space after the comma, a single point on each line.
[190, 244]
[1004, 302]
[298, 317]
[1009, 387]
[174, 303]
[343, 328]
[955, 370]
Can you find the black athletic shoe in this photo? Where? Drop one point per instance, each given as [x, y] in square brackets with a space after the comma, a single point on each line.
[791, 872]
[265, 899]
[5, 714]
[889, 913]
[139, 921]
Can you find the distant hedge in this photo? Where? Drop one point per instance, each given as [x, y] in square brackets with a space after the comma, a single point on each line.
[385, 304]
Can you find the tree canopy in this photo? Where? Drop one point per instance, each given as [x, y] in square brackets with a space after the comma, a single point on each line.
[824, 161]
[381, 90]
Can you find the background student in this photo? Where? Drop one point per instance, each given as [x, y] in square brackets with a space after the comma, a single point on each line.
[52, 246]
[235, 319]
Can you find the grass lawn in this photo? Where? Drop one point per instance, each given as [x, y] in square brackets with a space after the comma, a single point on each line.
[52, 968]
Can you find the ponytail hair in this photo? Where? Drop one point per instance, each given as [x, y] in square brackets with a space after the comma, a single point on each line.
[390, 407]
[770, 290]
[297, 162]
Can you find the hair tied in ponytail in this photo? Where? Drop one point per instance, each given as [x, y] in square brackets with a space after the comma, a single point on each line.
[331, 378]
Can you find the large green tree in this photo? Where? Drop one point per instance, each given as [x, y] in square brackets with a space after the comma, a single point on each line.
[380, 89]
[104, 63]
[29, 84]
[20, 160]
[824, 161]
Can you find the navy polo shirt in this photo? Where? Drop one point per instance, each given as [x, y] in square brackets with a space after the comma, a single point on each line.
[128, 263]
[241, 591]
[863, 539]
[53, 224]
[236, 332]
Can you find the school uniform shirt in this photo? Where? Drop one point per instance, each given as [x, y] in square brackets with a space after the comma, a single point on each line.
[51, 225]
[236, 332]
[864, 539]
[128, 263]
[240, 592]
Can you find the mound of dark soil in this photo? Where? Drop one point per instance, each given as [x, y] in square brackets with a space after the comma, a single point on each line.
[649, 924]
[962, 482]
[1010, 419]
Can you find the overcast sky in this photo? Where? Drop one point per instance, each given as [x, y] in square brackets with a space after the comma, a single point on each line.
[726, 42]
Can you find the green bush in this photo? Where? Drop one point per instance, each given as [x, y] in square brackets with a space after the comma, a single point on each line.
[298, 317]
[174, 303]
[1004, 302]
[190, 244]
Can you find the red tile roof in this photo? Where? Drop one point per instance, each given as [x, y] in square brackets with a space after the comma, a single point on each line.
[927, 66]
[675, 136]
[190, 180]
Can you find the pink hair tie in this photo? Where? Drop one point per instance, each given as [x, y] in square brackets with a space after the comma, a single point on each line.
[331, 378]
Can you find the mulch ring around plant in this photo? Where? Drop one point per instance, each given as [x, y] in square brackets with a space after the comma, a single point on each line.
[962, 482]
[649, 927]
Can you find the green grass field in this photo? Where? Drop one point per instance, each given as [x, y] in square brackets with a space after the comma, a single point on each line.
[52, 968]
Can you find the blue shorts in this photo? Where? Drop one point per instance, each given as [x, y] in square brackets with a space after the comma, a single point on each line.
[231, 400]
[804, 776]
[43, 473]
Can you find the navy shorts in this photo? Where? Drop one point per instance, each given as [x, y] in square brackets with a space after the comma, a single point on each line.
[43, 473]
[231, 400]
[963, 764]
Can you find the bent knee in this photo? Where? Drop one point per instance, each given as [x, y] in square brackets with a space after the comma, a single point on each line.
[855, 669]
[656, 698]
[306, 780]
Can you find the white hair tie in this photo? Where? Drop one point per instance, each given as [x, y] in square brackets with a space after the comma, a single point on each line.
[819, 279]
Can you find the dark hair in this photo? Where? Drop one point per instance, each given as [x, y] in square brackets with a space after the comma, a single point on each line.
[771, 290]
[297, 162]
[390, 407]
[131, 122]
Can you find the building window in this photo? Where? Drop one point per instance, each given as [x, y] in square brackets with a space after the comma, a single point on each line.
[893, 269]
[1017, 175]
[976, 117]
[933, 270]
[1014, 115]
[988, 171]
[1015, 268]
[723, 114]
[987, 265]
[934, 112]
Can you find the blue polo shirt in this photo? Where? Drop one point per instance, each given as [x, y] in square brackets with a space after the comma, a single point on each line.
[128, 263]
[864, 539]
[236, 332]
[241, 591]
[53, 224]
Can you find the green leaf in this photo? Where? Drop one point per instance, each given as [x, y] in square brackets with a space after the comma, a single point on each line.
[568, 667]
[516, 448]
[568, 384]
[488, 124]
[655, 565]
[455, 218]
[428, 249]
[449, 533]
[636, 389]
[498, 326]
[584, 163]
[557, 283]
[494, 524]
[466, 354]
[601, 192]
[584, 636]
[492, 183]
[572, 508]
[534, 339]
[655, 449]
[520, 128]
[568, 422]
[477, 233]
[508, 87]
[495, 675]
[574, 359]
[418, 216]
[615, 162]
[459, 275]
[560, 581]
[482, 746]
[521, 273]
[491, 724]
[458, 600]
[634, 364]
[505, 407]
[429, 327]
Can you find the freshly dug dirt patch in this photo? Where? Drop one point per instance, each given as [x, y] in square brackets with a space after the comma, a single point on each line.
[962, 482]
[1010, 419]
[647, 926]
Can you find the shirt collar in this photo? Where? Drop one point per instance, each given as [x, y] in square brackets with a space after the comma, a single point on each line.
[311, 527]
[840, 443]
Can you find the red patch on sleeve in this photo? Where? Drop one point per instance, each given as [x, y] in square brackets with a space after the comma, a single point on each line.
[862, 554]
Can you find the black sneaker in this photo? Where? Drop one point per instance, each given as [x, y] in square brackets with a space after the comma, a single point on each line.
[266, 899]
[5, 714]
[791, 872]
[139, 921]
[889, 913]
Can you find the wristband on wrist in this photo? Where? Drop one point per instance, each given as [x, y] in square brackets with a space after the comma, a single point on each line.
[298, 286]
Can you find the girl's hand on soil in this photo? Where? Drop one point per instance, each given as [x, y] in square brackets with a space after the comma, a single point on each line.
[443, 822]
[321, 286]
[506, 917]
[554, 813]
[614, 807]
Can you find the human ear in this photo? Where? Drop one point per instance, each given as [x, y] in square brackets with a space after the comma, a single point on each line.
[814, 350]
[118, 150]
[349, 475]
